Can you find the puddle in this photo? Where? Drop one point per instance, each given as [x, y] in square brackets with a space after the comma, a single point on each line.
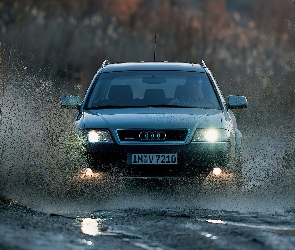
[279, 229]
[290, 232]
[216, 221]
[95, 227]
[92, 227]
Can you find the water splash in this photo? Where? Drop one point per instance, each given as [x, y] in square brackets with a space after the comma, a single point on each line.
[42, 164]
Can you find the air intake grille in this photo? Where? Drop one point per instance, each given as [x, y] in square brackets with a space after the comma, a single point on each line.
[164, 135]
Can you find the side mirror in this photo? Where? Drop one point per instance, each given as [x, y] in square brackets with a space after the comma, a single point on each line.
[70, 102]
[237, 102]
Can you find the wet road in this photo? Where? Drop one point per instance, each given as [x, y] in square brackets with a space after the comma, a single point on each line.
[145, 228]
[98, 213]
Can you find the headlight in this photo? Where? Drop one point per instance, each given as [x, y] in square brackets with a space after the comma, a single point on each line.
[211, 135]
[99, 136]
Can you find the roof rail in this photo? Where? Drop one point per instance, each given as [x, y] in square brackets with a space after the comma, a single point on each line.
[105, 63]
[202, 63]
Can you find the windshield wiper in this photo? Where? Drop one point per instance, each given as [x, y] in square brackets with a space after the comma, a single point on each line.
[168, 106]
[141, 106]
[113, 106]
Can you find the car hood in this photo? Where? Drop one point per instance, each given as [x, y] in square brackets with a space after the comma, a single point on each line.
[151, 118]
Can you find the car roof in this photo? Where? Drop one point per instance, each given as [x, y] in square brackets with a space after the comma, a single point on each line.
[134, 66]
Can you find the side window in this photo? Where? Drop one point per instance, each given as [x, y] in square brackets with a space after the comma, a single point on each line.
[197, 91]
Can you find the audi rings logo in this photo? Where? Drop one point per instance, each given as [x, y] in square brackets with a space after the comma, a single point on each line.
[152, 136]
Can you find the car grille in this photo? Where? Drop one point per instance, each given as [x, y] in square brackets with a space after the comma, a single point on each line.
[154, 136]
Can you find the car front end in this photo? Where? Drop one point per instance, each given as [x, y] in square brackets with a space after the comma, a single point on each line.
[158, 141]
[156, 119]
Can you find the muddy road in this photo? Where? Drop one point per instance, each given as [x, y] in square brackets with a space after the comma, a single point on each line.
[142, 214]
[172, 228]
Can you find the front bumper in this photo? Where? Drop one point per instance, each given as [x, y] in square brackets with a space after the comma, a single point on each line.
[199, 157]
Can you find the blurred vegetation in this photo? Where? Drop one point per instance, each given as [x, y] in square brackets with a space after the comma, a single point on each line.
[248, 44]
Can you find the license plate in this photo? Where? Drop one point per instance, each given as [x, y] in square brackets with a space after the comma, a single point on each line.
[136, 159]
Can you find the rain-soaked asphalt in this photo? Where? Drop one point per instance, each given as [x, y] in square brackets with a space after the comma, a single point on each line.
[147, 219]
[47, 204]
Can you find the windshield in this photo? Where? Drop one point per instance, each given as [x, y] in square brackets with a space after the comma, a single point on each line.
[153, 88]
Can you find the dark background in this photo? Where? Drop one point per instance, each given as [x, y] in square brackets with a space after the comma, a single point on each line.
[248, 44]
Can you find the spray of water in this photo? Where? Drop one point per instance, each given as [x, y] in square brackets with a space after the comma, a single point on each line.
[42, 159]
[39, 146]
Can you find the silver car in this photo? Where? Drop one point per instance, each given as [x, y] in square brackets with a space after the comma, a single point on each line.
[158, 119]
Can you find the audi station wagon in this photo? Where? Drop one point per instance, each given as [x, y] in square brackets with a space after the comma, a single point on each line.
[158, 119]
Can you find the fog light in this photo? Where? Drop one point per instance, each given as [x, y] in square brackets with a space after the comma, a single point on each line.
[217, 171]
[88, 172]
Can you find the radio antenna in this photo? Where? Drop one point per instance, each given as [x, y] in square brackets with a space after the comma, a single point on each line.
[155, 48]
